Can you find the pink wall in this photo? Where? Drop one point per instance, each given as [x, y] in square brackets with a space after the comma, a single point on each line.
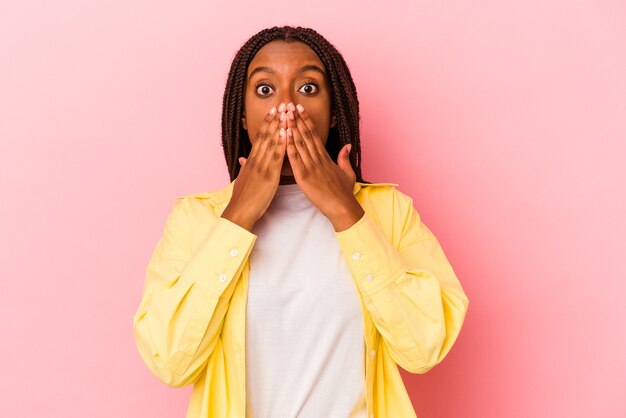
[504, 120]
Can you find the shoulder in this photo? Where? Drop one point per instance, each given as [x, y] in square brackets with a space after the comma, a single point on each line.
[211, 198]
[386, 195]
[191, 215]
[199, 207]
[396, 212]
[387, 205]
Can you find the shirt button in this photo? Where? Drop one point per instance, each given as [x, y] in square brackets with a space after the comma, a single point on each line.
[373, 353]
[369, 277]
[234, 252]
[222, 277]
[356, 256]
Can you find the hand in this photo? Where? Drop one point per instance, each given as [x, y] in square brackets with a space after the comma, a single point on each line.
[328, 186]
[259, 176]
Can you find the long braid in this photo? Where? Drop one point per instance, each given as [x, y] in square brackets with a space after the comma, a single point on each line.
[344, 100]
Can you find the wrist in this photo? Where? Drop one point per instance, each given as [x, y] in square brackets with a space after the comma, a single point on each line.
[239, 217]
[346, 216]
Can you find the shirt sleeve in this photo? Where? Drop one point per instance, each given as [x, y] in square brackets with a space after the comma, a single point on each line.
[410, 289]
[186, 296]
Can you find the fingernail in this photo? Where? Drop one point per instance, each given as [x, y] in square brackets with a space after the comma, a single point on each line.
[289, 132]
[273, 110]
[300, 108]
[291, 115]
[349, 148]
[291, 106]
[281, 107]
[282, 116]
[282, 132]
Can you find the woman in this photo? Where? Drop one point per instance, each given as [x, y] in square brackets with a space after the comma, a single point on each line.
[296, 290]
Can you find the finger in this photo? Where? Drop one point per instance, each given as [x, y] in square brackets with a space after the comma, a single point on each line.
[273, 153]
[295, 158]
[280, 151]
[267, 120]
[267, 129]
[282, 143]
[310, 133]
[343, 161]
[303, 149]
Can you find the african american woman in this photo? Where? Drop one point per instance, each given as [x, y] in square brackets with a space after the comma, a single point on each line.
[299, 288]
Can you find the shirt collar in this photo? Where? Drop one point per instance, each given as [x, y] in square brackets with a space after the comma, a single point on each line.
[220, 196]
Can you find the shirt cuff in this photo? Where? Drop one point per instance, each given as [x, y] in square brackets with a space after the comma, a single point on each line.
[220, 255]
[371, 258]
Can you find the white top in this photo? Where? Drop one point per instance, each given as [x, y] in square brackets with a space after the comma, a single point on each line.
[304, 324]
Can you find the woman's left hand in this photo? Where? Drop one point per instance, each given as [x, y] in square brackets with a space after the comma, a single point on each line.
[329, 186]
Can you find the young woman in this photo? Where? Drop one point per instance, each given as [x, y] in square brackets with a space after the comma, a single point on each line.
[296, 290]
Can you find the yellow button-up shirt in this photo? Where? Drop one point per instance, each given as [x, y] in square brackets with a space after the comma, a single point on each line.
[190, 324]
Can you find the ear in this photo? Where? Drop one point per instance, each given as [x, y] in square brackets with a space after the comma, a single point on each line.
[333, 121]
[243, 121]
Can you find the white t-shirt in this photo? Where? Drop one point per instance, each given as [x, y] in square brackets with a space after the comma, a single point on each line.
[304, 325]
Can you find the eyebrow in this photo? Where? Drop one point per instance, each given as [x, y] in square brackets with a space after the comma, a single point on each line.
[308, 67]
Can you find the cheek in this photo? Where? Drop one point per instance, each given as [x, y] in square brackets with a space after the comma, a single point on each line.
[322, 123]
[253, 123]
[254, 115]
[321, 117]
[318, 115]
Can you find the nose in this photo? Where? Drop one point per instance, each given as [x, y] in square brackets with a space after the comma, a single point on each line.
[283, 103]
[285, 98]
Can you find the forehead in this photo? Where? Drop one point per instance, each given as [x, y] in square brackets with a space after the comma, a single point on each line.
[284, 56]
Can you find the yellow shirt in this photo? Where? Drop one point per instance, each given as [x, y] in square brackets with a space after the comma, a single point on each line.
[190, 324]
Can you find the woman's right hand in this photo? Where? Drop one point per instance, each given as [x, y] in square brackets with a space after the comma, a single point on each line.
[259, 176]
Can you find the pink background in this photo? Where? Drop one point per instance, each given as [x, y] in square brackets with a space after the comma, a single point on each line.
[505, 121]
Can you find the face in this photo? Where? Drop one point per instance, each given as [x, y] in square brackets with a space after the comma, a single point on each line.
[283, 72]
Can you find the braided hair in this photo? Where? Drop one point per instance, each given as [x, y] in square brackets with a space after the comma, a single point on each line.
[344, 101]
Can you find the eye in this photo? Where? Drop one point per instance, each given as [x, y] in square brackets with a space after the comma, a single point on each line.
[264, 88]
[314, 88]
